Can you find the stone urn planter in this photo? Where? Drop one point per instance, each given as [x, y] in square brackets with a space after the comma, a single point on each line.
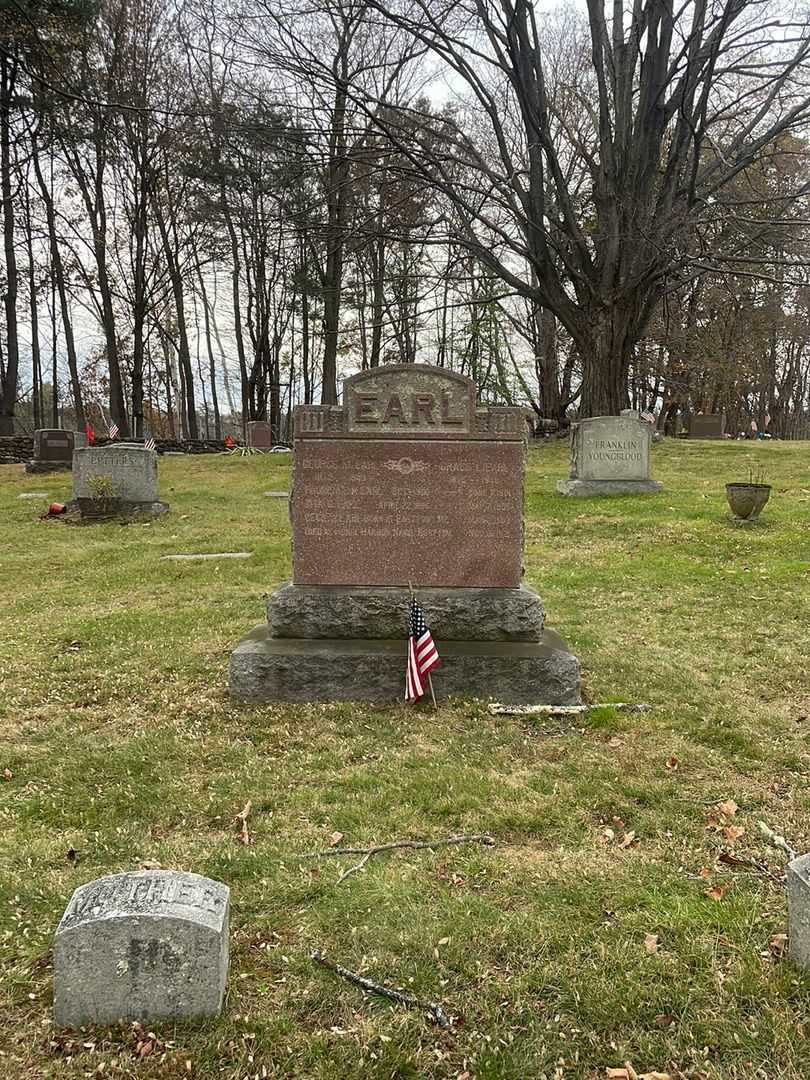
[746, 500]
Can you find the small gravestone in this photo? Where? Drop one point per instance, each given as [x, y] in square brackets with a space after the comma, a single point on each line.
[610, 455]
[142, 946]
[798, 888]
[53, 451]
[120, 478]
[277, 494]
[707, 426]
[259, 434]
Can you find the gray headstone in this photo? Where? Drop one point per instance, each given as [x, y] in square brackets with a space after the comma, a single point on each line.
[609, 455]
[798, 886]
[707, 426]
[132, 471]
[208, 555]
[142, 946]
[277, 494]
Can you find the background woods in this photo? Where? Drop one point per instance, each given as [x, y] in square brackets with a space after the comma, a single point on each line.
[213, 212]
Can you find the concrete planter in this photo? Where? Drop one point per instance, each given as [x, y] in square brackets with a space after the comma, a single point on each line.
[746, 500]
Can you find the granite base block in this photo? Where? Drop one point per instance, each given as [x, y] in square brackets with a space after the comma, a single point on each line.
[90, 509]
[44, 467]
[351, 611]
[266, 668]
[587, 488]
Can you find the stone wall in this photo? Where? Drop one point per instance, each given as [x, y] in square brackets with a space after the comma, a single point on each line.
[17, 449]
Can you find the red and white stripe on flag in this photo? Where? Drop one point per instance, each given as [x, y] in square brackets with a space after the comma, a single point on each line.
[423, 655]
[113, 430]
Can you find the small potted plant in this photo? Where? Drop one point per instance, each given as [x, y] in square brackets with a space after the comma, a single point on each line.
[746, 500]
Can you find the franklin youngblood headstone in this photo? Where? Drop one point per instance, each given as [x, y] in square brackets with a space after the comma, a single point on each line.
[119, 477]
[407, 483]
[142, 946]
[610, 455]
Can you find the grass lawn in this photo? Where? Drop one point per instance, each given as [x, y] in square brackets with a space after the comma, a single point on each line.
[599, 929]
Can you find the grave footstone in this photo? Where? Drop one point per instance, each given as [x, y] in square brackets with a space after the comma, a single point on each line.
[53, 451]
[407, 483]
[119, 478]
[259, 434]
[142, 946]
[610, 455]
[707, 426]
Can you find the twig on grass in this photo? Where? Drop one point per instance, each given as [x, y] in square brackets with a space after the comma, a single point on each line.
[241, 820]
[432, 1008]
[497, 709]
[728, 859]
[474, 838]
[776, 840]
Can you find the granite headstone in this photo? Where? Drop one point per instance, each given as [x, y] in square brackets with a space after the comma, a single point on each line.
[142, 946]
[409, 482]
[259, 434]
[122, 477]
[798, 889]
[707, 426]
[610, 455]
[53, 451]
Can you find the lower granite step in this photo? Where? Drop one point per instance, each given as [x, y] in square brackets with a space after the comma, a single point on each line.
[266, 668]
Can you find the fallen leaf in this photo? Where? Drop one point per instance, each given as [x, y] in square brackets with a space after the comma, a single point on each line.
[655, 1076]
[609, 835]
[615, 743]
[651, 943]
[728, 807]
[241, 821]
[335, 838]
[617, 821]
[151, 864]
[443, 941]
[778, 944]
[733, 832]
[628, 840]
[717, 893]
[618, 1074]
[672, 763]
[665, 1020]
[8, 774]
[704, 872]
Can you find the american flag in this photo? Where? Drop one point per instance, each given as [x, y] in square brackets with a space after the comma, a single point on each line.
[422, 654]
[648, 416]
[113, 430]
[150, 444]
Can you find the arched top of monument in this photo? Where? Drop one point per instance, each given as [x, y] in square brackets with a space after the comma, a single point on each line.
[409, 401]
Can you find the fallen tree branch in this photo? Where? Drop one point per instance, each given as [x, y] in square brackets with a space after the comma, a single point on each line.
[432, 1008]
[497, 709]
[728, 859]
[775, 840]
[415, 845]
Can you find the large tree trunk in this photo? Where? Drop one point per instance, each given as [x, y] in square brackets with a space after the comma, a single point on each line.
[606, 349]
[8, 388]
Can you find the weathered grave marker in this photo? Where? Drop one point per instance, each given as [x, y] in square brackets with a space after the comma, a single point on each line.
[117, 478]
[408, 482]
[798, 888]
[707, 426]
[142, 946]
[53, 450]
[259, 434]
[610, 455]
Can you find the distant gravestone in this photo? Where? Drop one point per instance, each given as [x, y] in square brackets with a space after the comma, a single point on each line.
[409, 481]
[116, 478]
[53, 451]
[142, 946]
[610, 455]
[259, 434]
[707, 426]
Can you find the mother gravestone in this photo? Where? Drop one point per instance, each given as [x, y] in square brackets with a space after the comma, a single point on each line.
[141, 946]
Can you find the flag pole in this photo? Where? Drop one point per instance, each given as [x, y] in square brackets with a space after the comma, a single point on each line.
[430, 680]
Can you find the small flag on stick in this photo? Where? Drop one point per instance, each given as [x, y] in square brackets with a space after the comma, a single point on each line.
[114, 430]
[91, 435]
[423, 656]
[150, 443]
